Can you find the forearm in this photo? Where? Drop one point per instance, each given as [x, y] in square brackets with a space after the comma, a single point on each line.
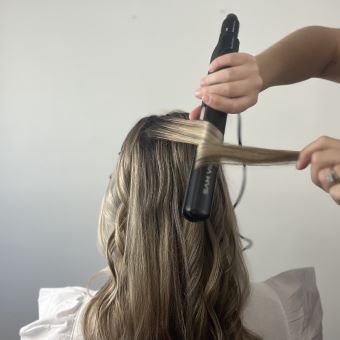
[309, 52]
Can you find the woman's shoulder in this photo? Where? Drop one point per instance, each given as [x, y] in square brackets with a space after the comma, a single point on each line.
[59, 309]
[288, 304]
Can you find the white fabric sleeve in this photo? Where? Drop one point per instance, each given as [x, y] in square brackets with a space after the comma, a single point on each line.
[58, 311]
[300, 299]
[264, 314]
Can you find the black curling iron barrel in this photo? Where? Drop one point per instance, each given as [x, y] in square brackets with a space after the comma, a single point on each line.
[201, 185]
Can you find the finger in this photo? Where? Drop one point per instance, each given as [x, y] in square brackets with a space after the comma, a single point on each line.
[320, 144]
[231, 90]
[229, 105]
[230, 59]
[229, 74]
[195, 113]
[323, 160]
[334, 191]
[326, 158]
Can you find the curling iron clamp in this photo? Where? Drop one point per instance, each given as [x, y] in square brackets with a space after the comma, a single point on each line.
[201, 185]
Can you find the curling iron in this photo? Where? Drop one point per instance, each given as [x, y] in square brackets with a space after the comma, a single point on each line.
[201, 185]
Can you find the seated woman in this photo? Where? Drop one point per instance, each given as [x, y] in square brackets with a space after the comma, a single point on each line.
[169, 278]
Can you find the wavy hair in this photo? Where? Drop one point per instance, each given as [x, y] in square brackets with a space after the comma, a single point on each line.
[168, 278]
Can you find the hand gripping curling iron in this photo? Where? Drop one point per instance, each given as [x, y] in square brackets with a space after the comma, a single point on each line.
[201, 185]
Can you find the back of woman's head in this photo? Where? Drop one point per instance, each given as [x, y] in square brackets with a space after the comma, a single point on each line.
[168, 278]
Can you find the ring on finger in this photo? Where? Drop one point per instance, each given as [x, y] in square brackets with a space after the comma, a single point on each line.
[333, 177]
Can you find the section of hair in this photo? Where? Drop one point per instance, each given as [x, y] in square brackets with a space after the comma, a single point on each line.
[211, 148]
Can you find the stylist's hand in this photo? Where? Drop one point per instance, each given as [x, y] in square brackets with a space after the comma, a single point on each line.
[233, 89]
[324, 157]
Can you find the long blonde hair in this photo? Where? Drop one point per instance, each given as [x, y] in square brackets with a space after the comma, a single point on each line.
[169, 278]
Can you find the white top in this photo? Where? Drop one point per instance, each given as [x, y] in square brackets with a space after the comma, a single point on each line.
[284, 307]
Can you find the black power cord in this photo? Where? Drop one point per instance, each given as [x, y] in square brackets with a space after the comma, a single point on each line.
[244, 180]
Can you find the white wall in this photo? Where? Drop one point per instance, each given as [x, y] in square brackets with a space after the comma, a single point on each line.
[76, 75]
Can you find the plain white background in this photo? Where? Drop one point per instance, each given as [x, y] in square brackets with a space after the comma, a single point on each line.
[76, 75]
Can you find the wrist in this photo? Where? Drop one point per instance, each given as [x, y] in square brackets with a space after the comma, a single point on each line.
[264, 73]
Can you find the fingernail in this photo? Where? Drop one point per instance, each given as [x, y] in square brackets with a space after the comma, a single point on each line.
[202, 83]
[206, 99]
[298, 165]
[211, 68]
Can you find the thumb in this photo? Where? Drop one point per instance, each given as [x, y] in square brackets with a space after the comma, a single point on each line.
[195, 113]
